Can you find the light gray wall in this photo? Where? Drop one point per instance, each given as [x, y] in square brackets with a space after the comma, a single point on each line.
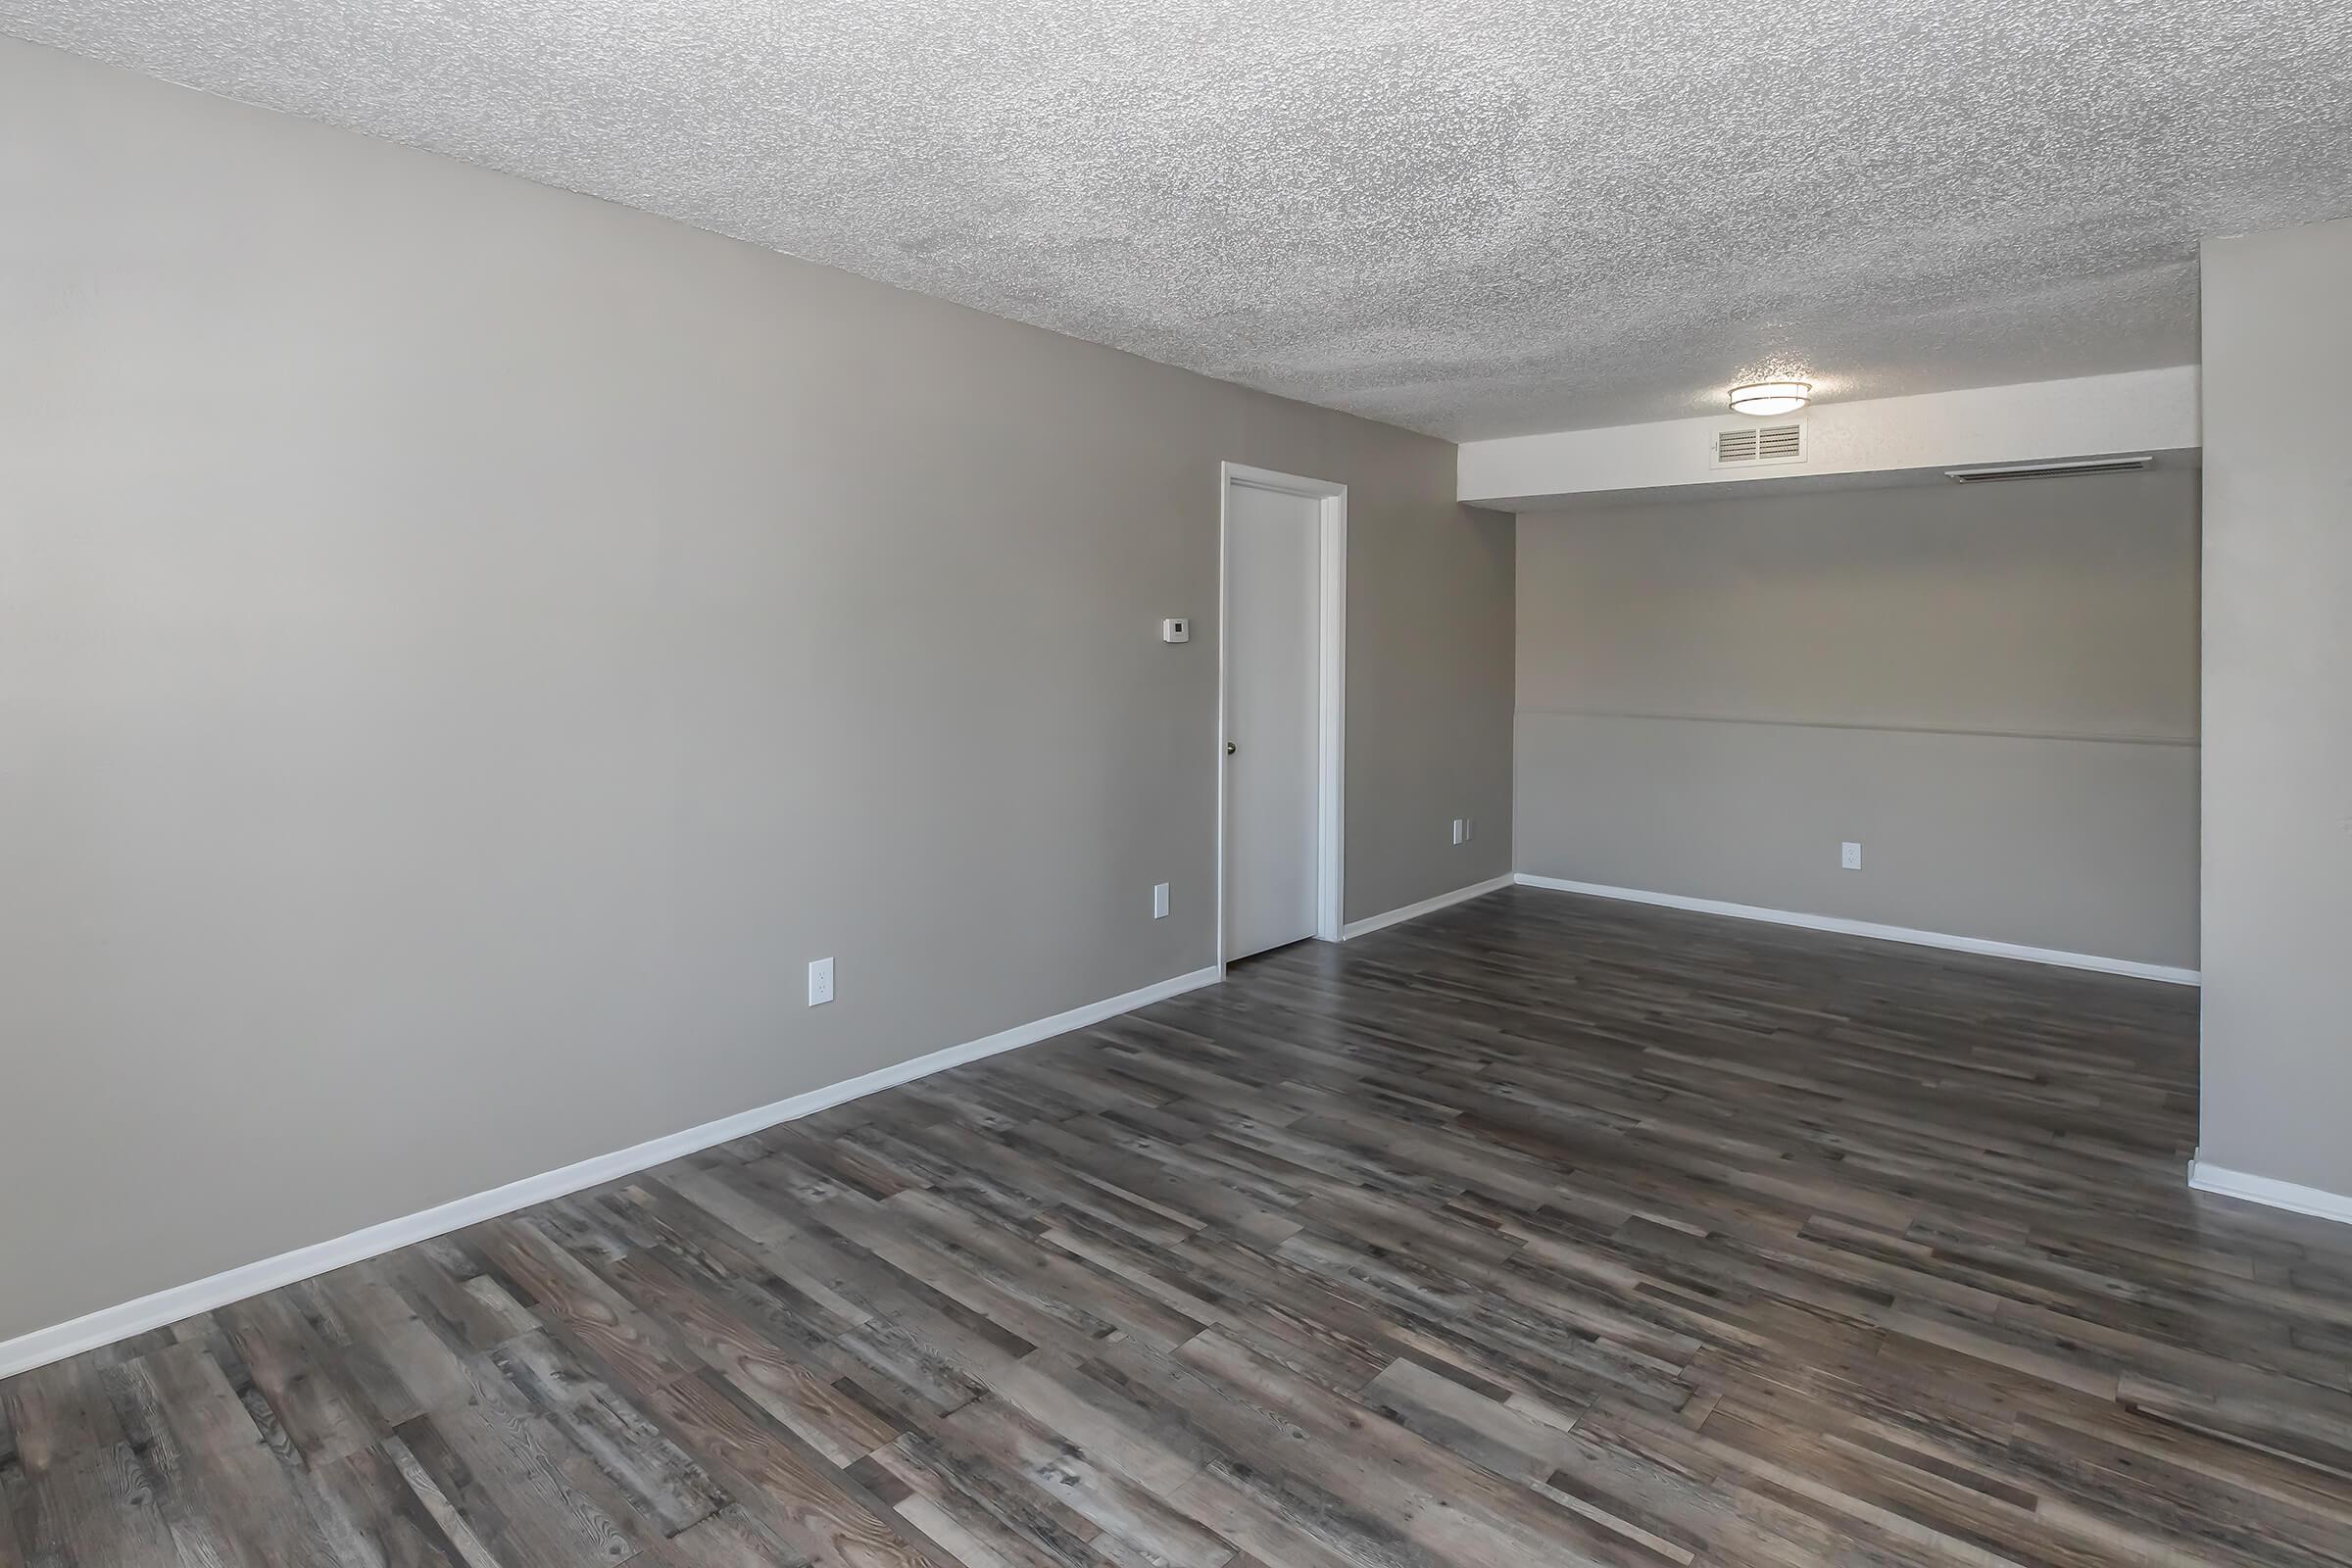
[2278, 1041]
[465, 647]
[1993, 689]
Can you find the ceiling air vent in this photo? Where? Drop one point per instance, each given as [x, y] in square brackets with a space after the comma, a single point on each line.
[2048, 471]
[1747, 444]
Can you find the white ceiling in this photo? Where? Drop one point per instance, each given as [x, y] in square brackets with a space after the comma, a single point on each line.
[1478, 218]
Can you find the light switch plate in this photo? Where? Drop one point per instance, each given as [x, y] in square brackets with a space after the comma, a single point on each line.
[1176, 629]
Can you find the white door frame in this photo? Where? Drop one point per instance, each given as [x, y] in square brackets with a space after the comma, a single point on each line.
[1331, 701]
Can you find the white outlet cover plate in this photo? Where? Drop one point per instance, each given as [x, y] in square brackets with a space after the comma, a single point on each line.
[820, 981]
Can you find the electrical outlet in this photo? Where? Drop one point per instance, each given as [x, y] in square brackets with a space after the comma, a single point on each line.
[1460, 831]
[1849, 856]
[820, 981]
[1159, 901]
[1469, 828]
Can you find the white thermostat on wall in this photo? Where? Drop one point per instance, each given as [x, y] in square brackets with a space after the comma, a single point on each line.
[1176, 630]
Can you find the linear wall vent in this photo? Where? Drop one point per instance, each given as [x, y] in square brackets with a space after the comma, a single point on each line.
[2068, 469]
[1743, 445]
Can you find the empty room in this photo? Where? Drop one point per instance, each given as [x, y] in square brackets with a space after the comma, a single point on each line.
[1028, 785]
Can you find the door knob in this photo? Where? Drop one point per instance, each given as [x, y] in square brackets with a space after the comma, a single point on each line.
[1230, 747]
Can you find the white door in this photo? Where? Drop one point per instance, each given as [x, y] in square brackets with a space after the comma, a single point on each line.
[1273, 638]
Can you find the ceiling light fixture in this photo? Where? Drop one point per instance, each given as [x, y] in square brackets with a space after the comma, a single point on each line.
[1767, 398]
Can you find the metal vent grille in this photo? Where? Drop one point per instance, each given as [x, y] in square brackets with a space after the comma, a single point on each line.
[2048, 471]
[1746, 444]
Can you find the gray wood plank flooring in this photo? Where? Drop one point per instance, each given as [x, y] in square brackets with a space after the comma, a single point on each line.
[1538, 1231]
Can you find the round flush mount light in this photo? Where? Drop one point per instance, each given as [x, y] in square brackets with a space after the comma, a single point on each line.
[1767, 398]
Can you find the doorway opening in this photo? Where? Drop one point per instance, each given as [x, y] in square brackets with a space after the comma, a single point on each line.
[1282, 644]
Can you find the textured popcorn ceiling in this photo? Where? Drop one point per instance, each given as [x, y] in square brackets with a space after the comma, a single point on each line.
[1480, 218]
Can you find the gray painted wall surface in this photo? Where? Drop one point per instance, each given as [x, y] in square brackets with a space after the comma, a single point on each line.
[2277, 1044]
[1993, 689]
[465, 647]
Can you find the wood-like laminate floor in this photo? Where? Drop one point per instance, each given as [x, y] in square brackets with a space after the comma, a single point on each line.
[1539, 1231]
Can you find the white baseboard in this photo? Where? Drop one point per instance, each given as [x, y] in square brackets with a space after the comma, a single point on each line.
[1413, 911]
[110, 1324]
[2210, 1178]
[1883, 933]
